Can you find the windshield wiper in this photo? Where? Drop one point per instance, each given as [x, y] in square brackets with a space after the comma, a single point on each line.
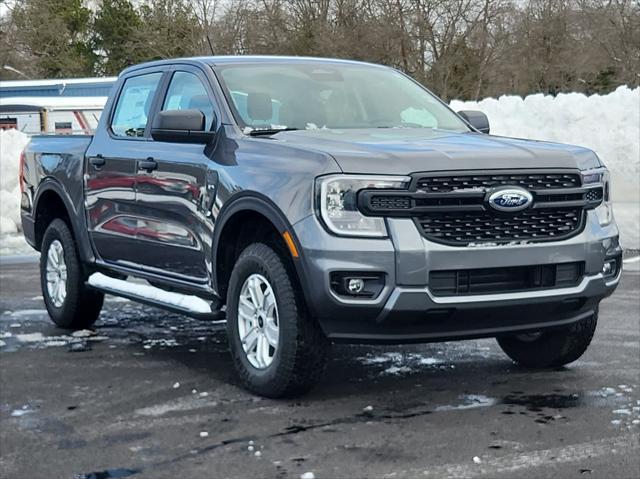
[269, 131]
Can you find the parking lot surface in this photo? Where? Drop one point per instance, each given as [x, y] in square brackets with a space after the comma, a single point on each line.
[149, 394]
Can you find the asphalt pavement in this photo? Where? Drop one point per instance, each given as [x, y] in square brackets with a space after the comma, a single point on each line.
[148, 394]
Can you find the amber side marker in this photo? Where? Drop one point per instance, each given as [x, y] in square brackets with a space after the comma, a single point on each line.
[292, 246]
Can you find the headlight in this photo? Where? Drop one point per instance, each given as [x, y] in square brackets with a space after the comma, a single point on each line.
[601, 176]
[337, 197]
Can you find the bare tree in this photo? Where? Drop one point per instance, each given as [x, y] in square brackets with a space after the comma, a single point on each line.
[458, 48]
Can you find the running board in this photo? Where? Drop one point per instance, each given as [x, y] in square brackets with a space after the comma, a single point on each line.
[188, 305]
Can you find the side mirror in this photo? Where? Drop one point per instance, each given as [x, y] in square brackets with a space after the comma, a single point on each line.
[476, 119]
[181, 126]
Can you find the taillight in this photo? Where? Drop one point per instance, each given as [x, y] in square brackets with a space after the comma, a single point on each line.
[21, 173]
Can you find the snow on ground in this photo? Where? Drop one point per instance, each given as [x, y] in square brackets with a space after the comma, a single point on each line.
[399, 364]
[469, 401]
[15, 244]
[12, 142]
[40, 340]
[608, 124]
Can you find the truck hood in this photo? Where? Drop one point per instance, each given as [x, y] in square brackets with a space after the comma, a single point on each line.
[404, 151]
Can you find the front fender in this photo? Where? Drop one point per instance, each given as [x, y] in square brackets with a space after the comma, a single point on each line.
[258, 203]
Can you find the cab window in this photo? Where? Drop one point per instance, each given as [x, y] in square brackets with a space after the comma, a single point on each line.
[186, 92]
[134, 104]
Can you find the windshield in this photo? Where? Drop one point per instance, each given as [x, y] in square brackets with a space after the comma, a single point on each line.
[331, 95]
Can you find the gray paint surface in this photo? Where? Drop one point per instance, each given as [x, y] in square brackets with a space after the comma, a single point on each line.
[160, 223]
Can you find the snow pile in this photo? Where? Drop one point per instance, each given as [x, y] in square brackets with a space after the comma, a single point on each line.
[12, 142]
[15, 244]
[607, 124]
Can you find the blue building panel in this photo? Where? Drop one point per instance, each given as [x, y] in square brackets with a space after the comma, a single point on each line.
[48, 88]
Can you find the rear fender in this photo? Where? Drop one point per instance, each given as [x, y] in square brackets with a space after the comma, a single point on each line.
[75, 213]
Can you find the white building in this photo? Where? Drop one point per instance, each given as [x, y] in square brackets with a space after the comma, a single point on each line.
[61, 115]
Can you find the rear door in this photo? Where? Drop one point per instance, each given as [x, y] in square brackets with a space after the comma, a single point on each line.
[111, 168]
[174, 193]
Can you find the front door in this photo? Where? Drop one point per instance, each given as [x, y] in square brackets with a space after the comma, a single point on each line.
[174, 187]
[111, 169]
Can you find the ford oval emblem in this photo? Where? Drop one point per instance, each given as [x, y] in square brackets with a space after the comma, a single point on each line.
[510, 199]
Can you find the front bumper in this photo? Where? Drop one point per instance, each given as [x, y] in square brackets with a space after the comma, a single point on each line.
[407, 311]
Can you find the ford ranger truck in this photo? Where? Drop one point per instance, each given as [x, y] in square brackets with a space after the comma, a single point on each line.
[311, 201]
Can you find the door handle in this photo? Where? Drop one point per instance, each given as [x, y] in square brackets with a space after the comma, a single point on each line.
[97, 161]
[149, 164]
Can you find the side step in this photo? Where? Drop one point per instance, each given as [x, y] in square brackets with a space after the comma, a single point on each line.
[188, 305]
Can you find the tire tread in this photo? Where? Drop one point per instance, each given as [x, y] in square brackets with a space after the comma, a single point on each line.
[553, 349]
[302, 361]
[82, 305]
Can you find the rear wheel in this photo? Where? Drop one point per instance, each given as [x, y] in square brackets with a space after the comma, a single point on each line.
[70, 303]
[277, 348]
[550, 349]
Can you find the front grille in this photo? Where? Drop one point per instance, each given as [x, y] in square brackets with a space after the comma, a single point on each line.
[463, 228]
[530, 181]
[390, 202]
[501, 280]
[594, 194]
[453, 208]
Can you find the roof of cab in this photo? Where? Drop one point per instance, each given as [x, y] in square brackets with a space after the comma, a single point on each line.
[240, 59]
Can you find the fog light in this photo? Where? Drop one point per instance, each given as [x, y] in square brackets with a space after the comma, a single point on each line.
[609, 268]
[355, 285]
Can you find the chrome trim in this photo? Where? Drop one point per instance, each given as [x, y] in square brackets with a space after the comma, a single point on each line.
[508, 194]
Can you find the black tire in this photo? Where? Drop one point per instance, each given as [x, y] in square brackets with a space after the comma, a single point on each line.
[301, 355]
[81, 305]
[551, 349]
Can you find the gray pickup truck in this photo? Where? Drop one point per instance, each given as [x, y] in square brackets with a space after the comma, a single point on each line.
[311, 201]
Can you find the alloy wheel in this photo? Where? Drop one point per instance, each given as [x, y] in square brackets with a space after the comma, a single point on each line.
[56, 274]
[258, 324]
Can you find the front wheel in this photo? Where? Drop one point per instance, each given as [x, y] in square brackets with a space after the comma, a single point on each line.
[70, 303]
[550, 349]
[277, 348]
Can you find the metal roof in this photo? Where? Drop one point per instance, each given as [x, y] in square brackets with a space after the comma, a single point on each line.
[67, 87]
[55, 81]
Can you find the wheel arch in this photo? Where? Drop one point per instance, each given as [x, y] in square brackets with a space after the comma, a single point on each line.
[241, 213]
[51, 202]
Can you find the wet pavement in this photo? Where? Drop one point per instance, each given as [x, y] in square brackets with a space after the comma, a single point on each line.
[148, 394]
